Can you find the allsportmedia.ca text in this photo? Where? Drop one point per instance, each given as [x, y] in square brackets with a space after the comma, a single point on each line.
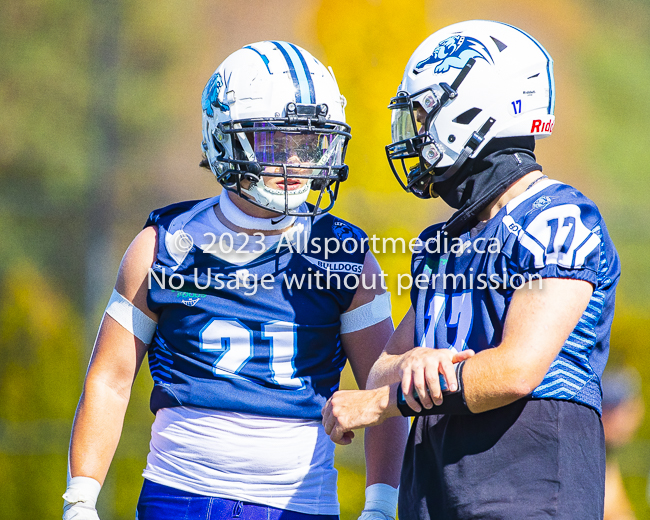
[296, 242]
[441, 244]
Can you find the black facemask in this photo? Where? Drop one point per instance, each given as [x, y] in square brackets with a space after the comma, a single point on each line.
[479, 181]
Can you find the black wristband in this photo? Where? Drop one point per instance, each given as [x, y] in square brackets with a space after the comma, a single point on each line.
[452, 402]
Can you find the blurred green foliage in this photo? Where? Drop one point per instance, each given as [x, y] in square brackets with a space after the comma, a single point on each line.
[43, 129]
[40, 345]
[617, 72]
[101, 108]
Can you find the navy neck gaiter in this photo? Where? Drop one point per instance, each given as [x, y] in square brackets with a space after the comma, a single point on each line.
[479, 181]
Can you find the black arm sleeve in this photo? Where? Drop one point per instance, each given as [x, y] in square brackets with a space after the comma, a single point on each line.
[452, 402]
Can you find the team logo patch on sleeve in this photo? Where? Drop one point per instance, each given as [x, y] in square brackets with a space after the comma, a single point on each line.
[542, 202]
[343, 231]
[454, 52]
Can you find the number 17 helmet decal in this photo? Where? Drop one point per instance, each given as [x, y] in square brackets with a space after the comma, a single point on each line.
[465, 85]
[274, 128]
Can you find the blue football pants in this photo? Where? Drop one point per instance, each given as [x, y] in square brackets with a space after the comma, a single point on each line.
[158, 502]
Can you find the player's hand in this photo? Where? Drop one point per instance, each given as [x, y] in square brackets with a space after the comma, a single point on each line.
[349, 410]
[420, 369]
[80, 511]
[374, 515]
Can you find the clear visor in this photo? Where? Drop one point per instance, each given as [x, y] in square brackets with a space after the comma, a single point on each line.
[275, 145]
[410, 113]
[402, 124]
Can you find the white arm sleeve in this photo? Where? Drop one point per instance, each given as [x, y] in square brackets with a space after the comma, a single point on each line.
[366, 315]
[131, 318]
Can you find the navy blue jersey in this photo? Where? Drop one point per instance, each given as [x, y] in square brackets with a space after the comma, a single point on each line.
[260, 338]
[549, 231]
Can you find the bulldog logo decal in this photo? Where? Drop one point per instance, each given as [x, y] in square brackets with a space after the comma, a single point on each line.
[210, 98]
[454, 52]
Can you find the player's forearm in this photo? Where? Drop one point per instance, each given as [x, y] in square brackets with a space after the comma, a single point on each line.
[384, 447]
[493, 378]
[540, 319]
[384, 372]
[96, 430]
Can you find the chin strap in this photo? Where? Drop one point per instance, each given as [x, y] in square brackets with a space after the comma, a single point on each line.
[243, 220]
[470, 147]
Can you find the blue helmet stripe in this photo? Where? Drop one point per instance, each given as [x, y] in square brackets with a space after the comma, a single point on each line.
[310, 82]
[549, 69]
[264, 58]
[292, 70]
[298, 74]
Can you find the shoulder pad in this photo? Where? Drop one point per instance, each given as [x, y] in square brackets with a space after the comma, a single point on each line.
[556, 195]
[170, 211]
[431, 232]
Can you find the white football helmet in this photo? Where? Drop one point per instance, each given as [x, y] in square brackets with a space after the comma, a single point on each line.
[468, 83]
[272, 113]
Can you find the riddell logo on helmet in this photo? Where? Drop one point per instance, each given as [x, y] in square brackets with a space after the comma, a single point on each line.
[542, 126]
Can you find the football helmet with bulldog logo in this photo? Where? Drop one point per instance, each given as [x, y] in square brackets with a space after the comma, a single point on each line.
[465, 85]
[274, 128]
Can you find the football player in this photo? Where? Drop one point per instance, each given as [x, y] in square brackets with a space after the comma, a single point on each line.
[513, 431]
[248, 311]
